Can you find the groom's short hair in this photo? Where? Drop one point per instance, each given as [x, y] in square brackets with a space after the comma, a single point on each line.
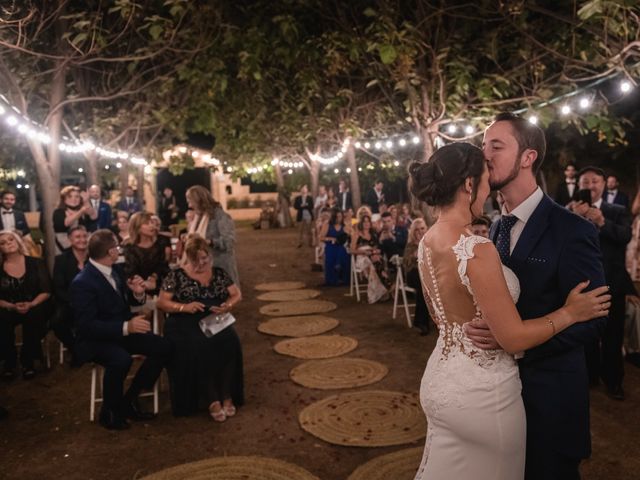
[528, 136]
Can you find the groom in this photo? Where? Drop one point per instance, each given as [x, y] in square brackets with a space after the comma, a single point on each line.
[550, 250]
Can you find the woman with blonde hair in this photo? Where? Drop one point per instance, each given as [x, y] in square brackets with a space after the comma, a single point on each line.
[144, 253]
[25, 290]
[206, 370]
[213, 224]
[417, 230]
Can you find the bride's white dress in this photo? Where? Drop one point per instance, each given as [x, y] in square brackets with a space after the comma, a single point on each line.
[471, 397]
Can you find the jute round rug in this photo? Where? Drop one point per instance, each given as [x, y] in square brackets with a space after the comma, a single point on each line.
[336, 373]
[289, 295]
[303, 307]
[298, 326]
[401, 465]
[273, 286]
[234, 468]
[374, 418]
[320, 346]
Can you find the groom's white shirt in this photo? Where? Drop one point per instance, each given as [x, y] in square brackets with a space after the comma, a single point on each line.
[523, 212]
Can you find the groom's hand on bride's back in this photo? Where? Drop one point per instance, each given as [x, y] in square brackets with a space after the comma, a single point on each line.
[478, 332]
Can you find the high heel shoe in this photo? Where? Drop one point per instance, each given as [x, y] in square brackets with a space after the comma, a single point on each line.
[218, 415]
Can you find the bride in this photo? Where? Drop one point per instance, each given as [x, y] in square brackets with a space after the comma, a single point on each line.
[471, 397]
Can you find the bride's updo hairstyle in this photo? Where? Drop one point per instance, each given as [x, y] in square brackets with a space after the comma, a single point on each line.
[437, 181]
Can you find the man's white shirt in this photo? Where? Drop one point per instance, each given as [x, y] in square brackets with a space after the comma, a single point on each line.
[523, 212]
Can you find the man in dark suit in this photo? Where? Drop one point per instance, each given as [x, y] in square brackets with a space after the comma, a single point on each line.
[551, 250]
[613, 222]
[567, 188]
[613, 195]
[129, 203]
[344, 196]
[375, 197]
[11, 218]
[105, 218]
[108, 333]
[304, 206]
[392, 238]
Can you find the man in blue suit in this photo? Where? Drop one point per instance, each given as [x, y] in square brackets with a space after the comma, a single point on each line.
[108, 333]
[10, 218]
[129, 203]
[105, 218]
[551, 250]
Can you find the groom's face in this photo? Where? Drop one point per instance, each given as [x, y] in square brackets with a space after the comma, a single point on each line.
[501, 150]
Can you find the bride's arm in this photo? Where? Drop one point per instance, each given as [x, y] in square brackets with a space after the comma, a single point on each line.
[494, 300]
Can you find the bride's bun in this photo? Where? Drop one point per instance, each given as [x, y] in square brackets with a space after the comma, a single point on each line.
[437, 181]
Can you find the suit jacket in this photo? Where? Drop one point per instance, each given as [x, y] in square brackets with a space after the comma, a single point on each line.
[104, 219]
[562, 193]
[99, 310]
[390, 247]
[65, 269]
[615, 234]
[20, 222]
[372, 200]
[131, 209]
[347, 202]
[297, 204]
[556, 251]
[621, 198]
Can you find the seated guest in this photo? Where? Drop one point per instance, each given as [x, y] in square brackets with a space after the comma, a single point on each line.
[336, 258]
[66, 267]
[480, 226]
[145, 254]
[108, 333]
[332, 200]
[25, 289]
[74, 209]
[122, 227]
[369, 262]
[206, 370]
[422, 319]
[362, 211]
[11, 218]
[392, 238]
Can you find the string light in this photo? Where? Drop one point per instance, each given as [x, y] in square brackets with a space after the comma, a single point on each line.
[533, 120]
[565, 110]
[584, 103]
[469, 130]
[625, 86]
[33, 131]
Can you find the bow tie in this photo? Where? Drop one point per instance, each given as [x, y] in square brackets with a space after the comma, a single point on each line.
[571, 182]
[7, 212]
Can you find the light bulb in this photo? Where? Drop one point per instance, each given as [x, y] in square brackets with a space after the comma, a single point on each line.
[289, 171]
[452, 128]
[402, 142]
[584, 103]
[565, 110]
[396, 163]
[335, 170]
[389, 144]
[378, 145]
[468, 130]
[80, 170]
[415, 140]
[358, 145]
[367, 145]
[348, 170]
[533, 120]
[625, 86]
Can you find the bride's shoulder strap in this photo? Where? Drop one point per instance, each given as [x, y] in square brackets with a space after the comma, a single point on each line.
[464, 251]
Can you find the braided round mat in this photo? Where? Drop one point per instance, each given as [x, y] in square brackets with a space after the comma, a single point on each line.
[374, 418]
[303, 307]
[234, 468]
[320, 346]
[336, 373]
[400, 465]
[273, 286]
[289, 295]
[298, 326]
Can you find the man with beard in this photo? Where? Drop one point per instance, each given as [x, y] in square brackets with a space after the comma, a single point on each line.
[551, 250]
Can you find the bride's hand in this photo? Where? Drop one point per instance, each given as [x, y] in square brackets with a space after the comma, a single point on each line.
[588, 305]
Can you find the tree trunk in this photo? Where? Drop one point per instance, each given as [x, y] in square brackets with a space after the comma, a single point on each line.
[91, 168]
[314, 173]
[356, 198]
[124, 180]
[282, 208]
[140, 189]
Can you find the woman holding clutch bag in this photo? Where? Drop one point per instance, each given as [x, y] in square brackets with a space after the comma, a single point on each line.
[206, 369]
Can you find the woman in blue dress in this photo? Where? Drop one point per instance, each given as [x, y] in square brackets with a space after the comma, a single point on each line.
[336, 258]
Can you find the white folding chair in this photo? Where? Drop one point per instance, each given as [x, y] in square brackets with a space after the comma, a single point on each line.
[354, 284]
[401, 288]
[98, 371]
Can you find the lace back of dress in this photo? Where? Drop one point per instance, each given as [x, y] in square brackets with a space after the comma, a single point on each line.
[448, 293]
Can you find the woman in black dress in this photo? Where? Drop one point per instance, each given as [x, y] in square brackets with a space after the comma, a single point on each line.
[206, 370]
[24, 294]
[145, 254]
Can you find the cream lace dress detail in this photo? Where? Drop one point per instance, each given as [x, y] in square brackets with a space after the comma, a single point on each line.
[471, 397]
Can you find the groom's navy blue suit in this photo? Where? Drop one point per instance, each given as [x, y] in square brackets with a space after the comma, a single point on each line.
[556, 250]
